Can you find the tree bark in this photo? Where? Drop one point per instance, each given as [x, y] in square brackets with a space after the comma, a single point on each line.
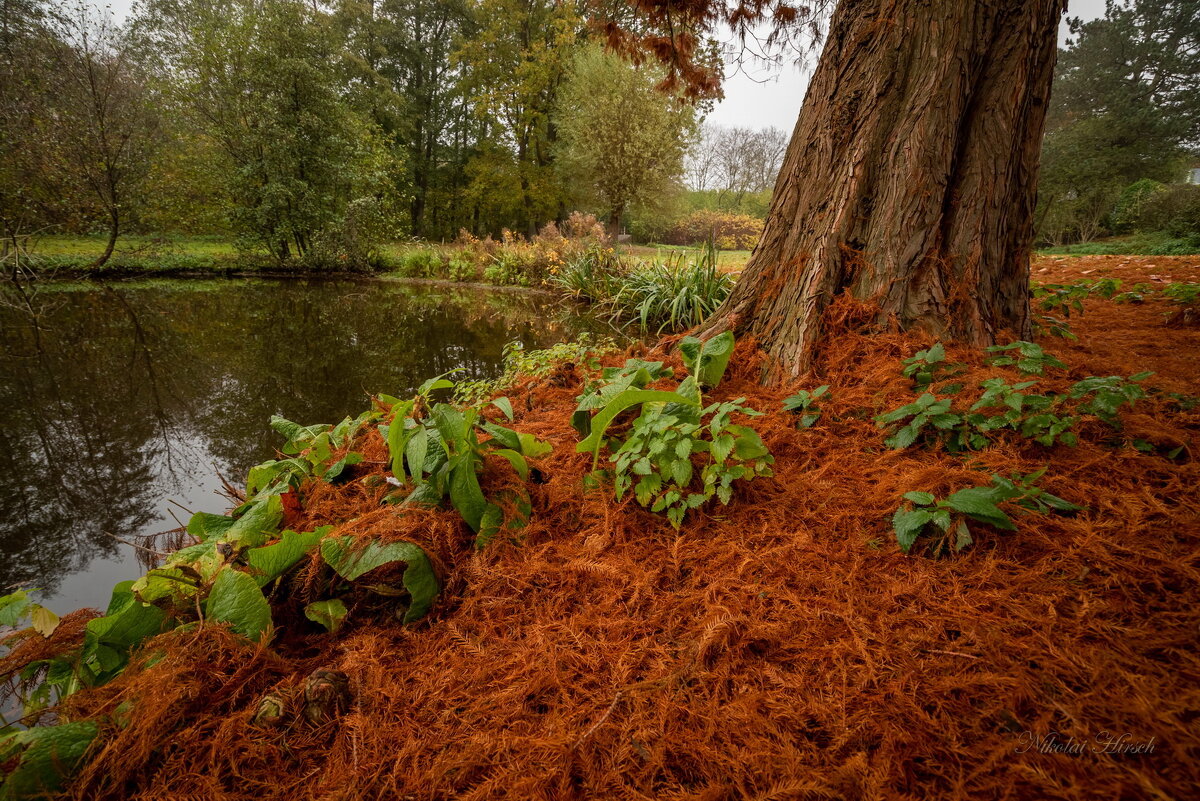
[114, 230]
[910, 180]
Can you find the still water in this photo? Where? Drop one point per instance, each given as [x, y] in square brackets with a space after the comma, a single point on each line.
[121, 403]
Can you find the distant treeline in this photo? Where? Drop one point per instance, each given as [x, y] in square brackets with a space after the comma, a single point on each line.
[312, 131]
[1123, 132]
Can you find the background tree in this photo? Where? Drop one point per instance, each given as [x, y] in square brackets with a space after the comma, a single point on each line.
[734, 162]
[260, 79]
[617, 138]
[513, 67]
[104, 127]
[1125, 108]
[24, 68]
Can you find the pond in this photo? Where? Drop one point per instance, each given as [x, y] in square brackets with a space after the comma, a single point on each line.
[122, 407]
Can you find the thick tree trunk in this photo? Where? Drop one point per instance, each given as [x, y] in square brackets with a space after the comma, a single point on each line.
[910, 180]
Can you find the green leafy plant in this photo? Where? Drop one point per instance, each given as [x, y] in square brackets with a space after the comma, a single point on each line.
[1052, 326]
[672, 295]
[929, 366]
[1106, 396]
[1028, 357]
[519, 362]
[614, 381]
[1184, 293]
[1062, 298]
[948, 517]
[926, 413]
[1031, 415]
[436, 454]
[1105, 287]
[39, 759]
[804, 405]
[674, 434]
[657, 455]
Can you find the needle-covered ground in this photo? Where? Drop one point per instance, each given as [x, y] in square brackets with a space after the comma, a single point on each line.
[780, 647]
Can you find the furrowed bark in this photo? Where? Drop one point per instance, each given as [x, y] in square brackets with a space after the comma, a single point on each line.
[910, 180]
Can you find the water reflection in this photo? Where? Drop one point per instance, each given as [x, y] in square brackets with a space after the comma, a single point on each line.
[116, 401]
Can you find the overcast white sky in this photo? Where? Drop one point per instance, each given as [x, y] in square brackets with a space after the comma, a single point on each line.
[766, 97]
[762, 97]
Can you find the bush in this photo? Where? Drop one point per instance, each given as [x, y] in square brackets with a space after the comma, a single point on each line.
[723, 230]
[672, 295]
[422, 263]
[353, 242]
[1172, 209]
[594, 275]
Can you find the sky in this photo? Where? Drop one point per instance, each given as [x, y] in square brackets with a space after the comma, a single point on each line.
[765, 97]
[761, 97]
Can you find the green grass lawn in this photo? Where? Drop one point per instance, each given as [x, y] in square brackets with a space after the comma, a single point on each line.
[135, 245]
[1155, 244]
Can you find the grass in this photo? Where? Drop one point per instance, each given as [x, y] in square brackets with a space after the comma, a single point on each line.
[1151, 244]
[136, 245]
[728, 261]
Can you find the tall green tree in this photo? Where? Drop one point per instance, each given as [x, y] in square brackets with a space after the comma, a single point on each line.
[105, 126]
[1125, 107]
[621, 140]
[514, 65]
[260, 78]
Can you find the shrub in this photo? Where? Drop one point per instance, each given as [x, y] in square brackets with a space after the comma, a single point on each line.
[723, 230]
[672, 295]
[353, 242]
[1173, 209]
[422, 263]
[594, 275]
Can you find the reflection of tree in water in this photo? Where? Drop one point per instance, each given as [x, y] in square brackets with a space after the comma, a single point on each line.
[74, 462]
[97, 410]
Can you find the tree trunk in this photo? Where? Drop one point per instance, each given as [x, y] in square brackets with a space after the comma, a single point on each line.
[910, 180]
[114, 230]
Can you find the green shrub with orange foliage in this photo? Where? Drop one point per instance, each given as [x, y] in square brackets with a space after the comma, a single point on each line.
[723, 229]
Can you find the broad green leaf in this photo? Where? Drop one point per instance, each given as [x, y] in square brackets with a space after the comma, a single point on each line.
[920, 498]
[329, 614]
[335, 470]
[908, 524]
[127, 623]
[165, 582]
[505, 406]
[350, 563]
[980, 503]
[236, 599]
[962, 536]
[271, 561]
[707, 361]
[533, 447]
[397, 438]
[516, 460]
[489, 525]
[257, 523]
[13, 607]
[48, 756]
[205, 526]
[465, 494]
[415, 452]
[620, 403]
[747, 444]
